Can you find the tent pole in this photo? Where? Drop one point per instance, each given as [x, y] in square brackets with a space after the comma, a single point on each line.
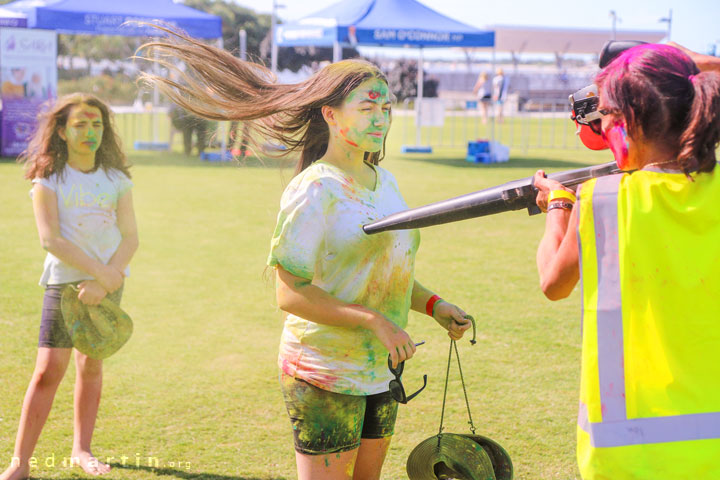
[156, 97]
[223, 124]
[494, 107]
[418, 101]
[273, 40]
[243, 44]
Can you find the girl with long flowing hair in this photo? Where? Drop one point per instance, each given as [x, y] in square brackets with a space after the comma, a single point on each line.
[347, 295]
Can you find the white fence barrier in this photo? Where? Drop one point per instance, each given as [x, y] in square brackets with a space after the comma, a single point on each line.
[538, 123]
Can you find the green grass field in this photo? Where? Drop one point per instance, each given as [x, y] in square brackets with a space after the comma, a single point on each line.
[195, 394]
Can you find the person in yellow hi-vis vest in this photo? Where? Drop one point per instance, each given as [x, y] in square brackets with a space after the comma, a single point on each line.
[646, 244]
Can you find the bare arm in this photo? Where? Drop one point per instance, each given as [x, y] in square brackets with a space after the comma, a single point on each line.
[476, 87]
[91, 291]
[557, 254]
[128, 229]
[449, 316]
[706, 63]
[300, 297]
[48, 225]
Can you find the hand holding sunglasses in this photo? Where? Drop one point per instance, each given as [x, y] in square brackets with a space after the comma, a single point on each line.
[397, 391]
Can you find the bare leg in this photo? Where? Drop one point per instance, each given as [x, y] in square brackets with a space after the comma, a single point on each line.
[370, 458]
[333, 466]
[88, 385]
[50, 368]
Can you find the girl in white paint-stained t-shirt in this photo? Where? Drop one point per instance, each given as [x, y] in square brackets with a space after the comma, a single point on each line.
[84, 213]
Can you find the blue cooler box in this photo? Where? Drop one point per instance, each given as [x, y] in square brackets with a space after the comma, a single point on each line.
[479, 152]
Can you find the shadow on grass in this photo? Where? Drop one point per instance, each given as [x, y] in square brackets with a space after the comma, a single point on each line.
[186, 475]
[529, 163]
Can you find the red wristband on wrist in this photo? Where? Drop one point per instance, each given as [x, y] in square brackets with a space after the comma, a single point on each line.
[430, 305]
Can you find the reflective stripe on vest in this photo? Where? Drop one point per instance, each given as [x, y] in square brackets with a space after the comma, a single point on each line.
[616, 429]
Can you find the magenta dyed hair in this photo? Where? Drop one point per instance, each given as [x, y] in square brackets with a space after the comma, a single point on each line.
[665, 99]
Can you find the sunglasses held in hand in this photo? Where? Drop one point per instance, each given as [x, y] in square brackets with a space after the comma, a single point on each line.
[397, 391]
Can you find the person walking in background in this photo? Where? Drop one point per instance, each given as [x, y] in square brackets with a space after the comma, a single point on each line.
[84, 213]
[646, 245]
[242, 151]
[483, 93]
[347, 295]
[499, 92]
[189, 125]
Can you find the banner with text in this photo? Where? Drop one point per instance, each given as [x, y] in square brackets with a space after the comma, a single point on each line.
[28, 75]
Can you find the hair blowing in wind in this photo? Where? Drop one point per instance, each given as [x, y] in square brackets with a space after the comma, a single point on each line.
[218, 86]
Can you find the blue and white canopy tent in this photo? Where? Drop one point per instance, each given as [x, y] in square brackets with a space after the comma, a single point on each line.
[381, 23]
[389, 23]
[92, 17]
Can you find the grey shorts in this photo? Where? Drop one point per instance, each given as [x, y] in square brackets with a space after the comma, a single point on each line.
[53, 333]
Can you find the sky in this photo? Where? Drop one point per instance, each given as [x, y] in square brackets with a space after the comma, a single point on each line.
[695, 23]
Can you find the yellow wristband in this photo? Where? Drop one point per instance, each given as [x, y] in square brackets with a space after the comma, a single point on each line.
[556, 194]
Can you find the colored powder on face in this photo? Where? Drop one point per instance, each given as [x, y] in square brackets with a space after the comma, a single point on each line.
[81, 134]
[617, 140]
[365, 117]
[344, 133]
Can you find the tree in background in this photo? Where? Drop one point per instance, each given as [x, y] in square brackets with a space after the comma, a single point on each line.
[257, 25]
[94, 49]
[236, 18]
[402, 77]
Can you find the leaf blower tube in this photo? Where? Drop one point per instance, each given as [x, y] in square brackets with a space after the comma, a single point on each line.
[514, 195]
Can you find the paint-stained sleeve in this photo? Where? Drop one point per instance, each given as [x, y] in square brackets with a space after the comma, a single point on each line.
[300, 229]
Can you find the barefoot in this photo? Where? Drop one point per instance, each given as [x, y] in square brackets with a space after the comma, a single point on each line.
[90, 464]
[15, 472]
